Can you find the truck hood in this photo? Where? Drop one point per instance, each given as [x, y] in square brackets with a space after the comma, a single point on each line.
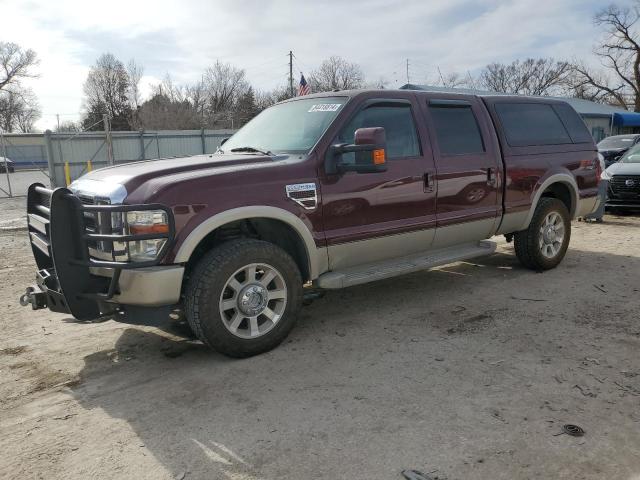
[114, 182]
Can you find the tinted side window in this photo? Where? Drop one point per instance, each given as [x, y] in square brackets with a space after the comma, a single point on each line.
[528, 124]
[456, 129]
[573, 123]
[397, 120]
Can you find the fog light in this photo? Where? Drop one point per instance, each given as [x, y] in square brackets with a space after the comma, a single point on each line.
[145, 250]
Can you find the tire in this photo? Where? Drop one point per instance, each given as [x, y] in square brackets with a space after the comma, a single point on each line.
[540, 246]
[227, 283]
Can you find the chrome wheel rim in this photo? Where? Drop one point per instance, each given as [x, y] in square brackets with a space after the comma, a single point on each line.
[551, 236]
[253, 300]
[476, 194]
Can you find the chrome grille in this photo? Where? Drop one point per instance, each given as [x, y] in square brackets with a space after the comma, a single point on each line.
[103, 223]
[625, 185]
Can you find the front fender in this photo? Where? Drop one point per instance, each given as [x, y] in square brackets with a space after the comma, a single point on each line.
[317, 260]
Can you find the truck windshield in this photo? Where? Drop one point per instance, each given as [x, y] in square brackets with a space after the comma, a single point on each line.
[632, 156]
[290, 127]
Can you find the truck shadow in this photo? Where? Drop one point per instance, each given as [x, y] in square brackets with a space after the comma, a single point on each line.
[208, 416]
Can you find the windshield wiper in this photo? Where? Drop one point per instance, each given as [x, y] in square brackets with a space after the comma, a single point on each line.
[250, 150]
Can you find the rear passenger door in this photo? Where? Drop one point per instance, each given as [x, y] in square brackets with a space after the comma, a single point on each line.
[468, 169]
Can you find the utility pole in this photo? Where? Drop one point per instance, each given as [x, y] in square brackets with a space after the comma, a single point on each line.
[408, 71]
[291, 72]
[107, 138]
[58, 119]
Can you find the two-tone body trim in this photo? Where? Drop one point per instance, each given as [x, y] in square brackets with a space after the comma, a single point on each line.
[317, 255]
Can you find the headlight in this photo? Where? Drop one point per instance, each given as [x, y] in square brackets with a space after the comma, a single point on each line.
[146, 222]
[605, 176]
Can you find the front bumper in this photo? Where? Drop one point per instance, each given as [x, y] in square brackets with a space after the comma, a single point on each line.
[69, 280]
[147, 287]
[624, 204]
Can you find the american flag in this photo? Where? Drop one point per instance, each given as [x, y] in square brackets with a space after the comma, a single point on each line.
[303, 88]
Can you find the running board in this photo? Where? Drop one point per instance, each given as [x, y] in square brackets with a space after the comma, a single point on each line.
[400, 266]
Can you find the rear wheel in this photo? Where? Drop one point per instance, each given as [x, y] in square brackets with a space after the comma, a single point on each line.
[243, 297]
[544, 244]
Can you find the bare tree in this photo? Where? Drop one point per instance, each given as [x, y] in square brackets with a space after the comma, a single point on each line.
[380, 84]
[68, 126]
[335, 73]
[542, 76]
[19, 108]
[223, 85]
[107, 90]
[456, 80]
[135, 72]
[16, 64]
[197, 96]
[619, 54]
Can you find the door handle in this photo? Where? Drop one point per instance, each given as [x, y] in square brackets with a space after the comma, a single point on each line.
[428, 182]
[491, 177]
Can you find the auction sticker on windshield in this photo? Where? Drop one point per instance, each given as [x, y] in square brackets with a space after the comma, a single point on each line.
[325, 107]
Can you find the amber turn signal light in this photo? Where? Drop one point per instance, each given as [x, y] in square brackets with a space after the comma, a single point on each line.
[378, 156]
[145, 229]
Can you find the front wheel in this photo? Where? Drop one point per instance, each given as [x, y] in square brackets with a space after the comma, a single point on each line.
[243, 297]
[544, 244]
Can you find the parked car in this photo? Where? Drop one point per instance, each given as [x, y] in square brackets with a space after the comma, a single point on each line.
[624, 182]
[6, 164]
[333, 189]
[612, 148]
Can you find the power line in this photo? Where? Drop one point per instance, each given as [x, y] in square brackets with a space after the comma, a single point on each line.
[261, 64]
[305, 66]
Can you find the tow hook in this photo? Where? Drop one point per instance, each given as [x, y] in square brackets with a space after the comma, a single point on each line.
[34, 296]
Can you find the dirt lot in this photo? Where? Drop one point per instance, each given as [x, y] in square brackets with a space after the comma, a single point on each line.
[20, 181]
[468, 371]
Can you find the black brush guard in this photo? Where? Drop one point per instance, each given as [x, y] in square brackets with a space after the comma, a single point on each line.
[60, 243]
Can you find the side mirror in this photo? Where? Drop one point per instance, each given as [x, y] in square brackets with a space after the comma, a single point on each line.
[370, 145]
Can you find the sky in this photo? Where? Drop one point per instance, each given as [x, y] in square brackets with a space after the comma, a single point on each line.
[183, 38]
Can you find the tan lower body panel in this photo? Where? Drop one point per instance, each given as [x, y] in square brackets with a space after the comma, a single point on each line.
[346, 255]
[149, 287]
[587, 205]
[460, 233]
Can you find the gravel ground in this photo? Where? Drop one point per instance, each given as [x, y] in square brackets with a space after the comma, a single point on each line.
[20, 181]
[468, 371]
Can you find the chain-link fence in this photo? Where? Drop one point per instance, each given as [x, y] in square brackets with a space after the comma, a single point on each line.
[23, 161]
[57, 159]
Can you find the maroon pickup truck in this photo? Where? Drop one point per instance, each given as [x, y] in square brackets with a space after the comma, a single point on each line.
[327, 190]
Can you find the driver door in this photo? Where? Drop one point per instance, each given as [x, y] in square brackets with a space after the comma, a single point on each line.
[369, 217]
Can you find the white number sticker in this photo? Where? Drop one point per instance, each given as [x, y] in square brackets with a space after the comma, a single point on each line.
[300, 187]
[325, 107]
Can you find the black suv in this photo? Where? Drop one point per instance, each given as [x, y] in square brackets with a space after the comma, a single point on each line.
[612, 148]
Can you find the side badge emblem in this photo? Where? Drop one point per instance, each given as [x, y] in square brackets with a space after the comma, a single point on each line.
[304, 194]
